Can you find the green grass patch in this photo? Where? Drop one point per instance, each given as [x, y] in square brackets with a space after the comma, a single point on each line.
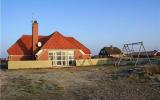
[30, 89]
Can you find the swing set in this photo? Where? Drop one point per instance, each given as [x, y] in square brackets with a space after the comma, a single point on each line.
[129, 49]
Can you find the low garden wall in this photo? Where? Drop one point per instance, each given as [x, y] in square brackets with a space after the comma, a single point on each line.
[48, 64]
[29, 64]
[89, 62]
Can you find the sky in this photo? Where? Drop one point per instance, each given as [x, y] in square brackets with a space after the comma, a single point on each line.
[95, 23]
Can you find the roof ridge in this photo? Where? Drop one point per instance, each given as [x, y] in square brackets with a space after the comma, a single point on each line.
[61, 36]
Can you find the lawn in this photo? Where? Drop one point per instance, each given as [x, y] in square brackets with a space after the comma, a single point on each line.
[79, 83]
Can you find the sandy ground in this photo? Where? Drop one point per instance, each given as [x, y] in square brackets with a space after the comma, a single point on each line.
[78, 83]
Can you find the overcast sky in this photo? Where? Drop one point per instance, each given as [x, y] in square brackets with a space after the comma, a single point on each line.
[95, 23]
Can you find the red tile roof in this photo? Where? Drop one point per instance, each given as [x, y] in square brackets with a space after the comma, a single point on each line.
[78, 45]
[58, 41]
[150, 53]
[23, 46]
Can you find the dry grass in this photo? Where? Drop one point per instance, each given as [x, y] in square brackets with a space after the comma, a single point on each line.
[79, 83]
[152, 69]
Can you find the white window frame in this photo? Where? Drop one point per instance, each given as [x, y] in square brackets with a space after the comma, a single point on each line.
[68, 56]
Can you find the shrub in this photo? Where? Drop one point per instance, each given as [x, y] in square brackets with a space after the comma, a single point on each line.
[152, 69]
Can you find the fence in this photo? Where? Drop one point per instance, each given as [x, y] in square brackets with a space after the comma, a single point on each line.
[29, 64]
[89, 62]
[48, 64]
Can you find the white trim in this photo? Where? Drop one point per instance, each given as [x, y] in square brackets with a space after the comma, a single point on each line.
[82, 52]
[155, 53]
[39, 52]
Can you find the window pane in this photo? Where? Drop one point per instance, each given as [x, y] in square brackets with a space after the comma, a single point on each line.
[58, 62]
[50, 53]
[63, 62]
[58, 57]
[71, 57]
[71, 62]
[58, 53]
[62, 53]
[50, 57]
[63, 57]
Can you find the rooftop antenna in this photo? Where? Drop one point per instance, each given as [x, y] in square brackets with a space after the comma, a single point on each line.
[33, 17]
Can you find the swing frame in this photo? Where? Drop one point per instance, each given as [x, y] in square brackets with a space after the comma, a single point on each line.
[129, 52]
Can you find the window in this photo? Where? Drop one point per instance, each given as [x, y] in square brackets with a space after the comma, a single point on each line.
[58, 53]
[50, 57]
[62, 57]
[58, 57]
[58, 62]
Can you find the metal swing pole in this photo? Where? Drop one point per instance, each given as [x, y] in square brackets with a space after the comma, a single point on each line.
[130, 52]
[146, 54]
[120, 58]
[138, 55]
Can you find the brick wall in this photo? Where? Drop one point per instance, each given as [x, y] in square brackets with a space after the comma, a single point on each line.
[79, 55]
[43, 55]
[19, 57]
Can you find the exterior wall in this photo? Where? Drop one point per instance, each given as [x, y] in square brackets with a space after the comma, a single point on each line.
[43, 55]
[115, 55]
[90, 62]
[19, 57]
[86, 56]
[158, 54]
[29, 64]
[79, 55]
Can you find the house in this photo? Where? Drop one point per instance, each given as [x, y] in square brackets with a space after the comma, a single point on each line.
[3, 62]
[110, 52]
[153, 53]
[60, 49]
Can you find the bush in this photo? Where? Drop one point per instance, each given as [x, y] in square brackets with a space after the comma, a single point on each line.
[152, 69]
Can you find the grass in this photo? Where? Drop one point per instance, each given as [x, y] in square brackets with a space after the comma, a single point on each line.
[82, 83]
[30, 89]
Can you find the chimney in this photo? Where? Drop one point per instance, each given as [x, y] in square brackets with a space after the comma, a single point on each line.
[34, 36]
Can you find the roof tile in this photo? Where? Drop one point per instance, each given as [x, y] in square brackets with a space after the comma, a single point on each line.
[23, 46]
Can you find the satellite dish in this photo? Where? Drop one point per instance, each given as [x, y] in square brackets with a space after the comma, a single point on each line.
[39, 44]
